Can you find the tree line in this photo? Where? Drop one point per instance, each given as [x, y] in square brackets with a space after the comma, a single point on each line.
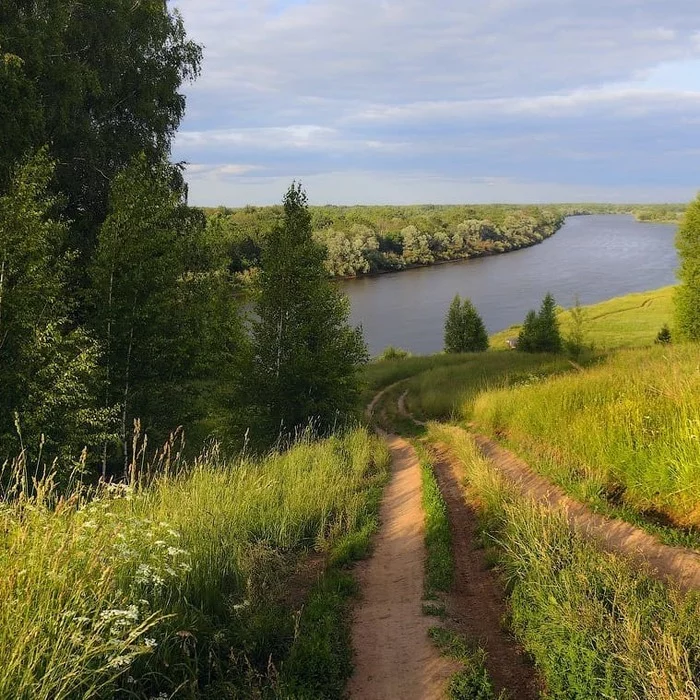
[363, 240]
[118, 312]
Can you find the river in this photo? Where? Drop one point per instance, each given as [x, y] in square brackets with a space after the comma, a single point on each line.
[594, 257]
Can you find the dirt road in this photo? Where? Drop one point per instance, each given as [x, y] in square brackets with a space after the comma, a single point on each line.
[394, 658]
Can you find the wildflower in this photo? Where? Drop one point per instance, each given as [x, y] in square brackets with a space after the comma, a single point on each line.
[150, 643]
[121, 661]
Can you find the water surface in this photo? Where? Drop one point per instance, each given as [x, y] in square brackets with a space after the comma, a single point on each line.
[594, 257]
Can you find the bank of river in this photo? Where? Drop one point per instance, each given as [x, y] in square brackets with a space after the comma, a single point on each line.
[594, 257]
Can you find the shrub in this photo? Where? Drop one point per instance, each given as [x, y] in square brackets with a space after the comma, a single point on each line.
[664, 335]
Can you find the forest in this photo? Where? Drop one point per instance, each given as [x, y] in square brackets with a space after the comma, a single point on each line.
[362, 240]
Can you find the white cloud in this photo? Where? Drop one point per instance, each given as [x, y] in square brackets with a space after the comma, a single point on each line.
[565, 91]
[410, 188]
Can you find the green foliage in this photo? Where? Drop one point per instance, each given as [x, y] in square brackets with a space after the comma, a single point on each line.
[392, 353]
[361, 240]
[664, 335]
[688, 291]
[473, 681]
[596, 625]
[49, 370]
[540, 331]
[305, 358]
[182, 588]
[464, 328]
[577, 330]
[163, 314]
[100, 82]
[439, 567]
[527, 339]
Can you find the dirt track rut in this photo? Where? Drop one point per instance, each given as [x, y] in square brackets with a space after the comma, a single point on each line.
[394, 657]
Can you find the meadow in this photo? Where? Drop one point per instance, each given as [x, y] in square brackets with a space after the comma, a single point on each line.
[627, 430]
[206, 583]
[632, 320]
[595, 625]
[619, 429]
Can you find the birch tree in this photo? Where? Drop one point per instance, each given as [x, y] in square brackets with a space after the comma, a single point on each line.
[304, 356]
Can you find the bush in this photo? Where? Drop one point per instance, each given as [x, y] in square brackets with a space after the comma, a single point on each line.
[392, 353]
[664, 335]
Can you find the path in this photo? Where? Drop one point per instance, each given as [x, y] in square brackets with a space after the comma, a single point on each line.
[476, 603]
[677, 566]
[394, 657]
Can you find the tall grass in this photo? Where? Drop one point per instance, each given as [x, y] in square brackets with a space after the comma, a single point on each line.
[447, 391]
[177, 588]
[595, 624]
[627, 430]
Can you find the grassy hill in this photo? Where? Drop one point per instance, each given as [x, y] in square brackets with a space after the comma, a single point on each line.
[190, 587]
[620, 432]
[627, 321]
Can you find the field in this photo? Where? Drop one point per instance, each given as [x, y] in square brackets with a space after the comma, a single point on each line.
[619, 431]
[596, 625]
[627, 430]
[628, 321]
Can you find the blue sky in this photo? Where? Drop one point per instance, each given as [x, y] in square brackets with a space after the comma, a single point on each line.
[443, 101]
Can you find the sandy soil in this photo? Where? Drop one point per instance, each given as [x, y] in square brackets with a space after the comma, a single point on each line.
[394, 657]
[476, 603]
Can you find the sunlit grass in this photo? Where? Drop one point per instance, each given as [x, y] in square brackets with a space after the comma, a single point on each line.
[447, 392]
[177, 587]
[629, 427]
[632, 320]
[596, 625]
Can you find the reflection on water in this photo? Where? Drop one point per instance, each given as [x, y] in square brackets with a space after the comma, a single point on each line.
[594, 257]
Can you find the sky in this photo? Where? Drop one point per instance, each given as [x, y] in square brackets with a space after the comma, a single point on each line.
[443, 101]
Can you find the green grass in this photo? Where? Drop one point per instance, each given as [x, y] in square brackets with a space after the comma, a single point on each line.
[472, 682]
[627, 321]
[596, 625]
[382, 373]
[439, 566]
[447, 391]
[626, 431]
[182, 588]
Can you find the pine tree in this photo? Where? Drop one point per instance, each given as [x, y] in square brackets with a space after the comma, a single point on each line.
[304, 356]
[663, 337]
[548, 337]
[453, 327]
[476, 338]
[687, 298]
[464, 328]
[527, 339]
